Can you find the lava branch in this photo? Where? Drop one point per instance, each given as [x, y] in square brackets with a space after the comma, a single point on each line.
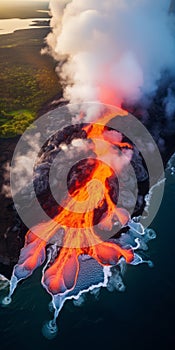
[76, 217]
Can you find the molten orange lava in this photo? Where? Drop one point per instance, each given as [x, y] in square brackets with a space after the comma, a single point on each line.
[77, 219]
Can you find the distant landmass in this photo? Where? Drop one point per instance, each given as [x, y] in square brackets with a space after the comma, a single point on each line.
[24, 9]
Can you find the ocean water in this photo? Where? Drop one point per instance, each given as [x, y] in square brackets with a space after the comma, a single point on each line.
[10, 25]
[142, 317]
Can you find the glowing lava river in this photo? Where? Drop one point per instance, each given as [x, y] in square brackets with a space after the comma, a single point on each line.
[93, 232]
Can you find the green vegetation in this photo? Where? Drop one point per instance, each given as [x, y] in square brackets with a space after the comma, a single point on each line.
[25, 87]
[15, 123]
[27, 80]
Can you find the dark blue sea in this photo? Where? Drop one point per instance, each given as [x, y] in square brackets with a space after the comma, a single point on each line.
[142, 317]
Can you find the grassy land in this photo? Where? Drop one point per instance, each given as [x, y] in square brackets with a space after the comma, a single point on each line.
[15, 122]
[27, 79]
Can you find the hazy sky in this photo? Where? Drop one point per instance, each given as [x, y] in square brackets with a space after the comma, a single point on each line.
[8, 1]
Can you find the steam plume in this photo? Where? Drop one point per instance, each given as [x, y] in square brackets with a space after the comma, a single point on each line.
[112, 51]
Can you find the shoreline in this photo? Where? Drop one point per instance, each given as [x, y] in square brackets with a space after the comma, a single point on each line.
[27, 24]
[11, 241]
[10, 245]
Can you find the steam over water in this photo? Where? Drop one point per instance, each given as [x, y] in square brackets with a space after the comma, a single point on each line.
[109, 54]
[147, 308]
[78, 258]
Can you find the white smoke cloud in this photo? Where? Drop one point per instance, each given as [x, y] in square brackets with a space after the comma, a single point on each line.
[6, 191]
[115, 50]
[23, 164]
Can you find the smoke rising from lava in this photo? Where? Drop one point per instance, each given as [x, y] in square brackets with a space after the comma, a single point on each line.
[110, 54]
[112, 51]
[78, 239]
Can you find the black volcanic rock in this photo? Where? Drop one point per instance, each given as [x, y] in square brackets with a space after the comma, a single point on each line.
[13, 230]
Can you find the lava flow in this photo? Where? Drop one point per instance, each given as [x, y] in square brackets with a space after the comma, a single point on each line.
[76, 217]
